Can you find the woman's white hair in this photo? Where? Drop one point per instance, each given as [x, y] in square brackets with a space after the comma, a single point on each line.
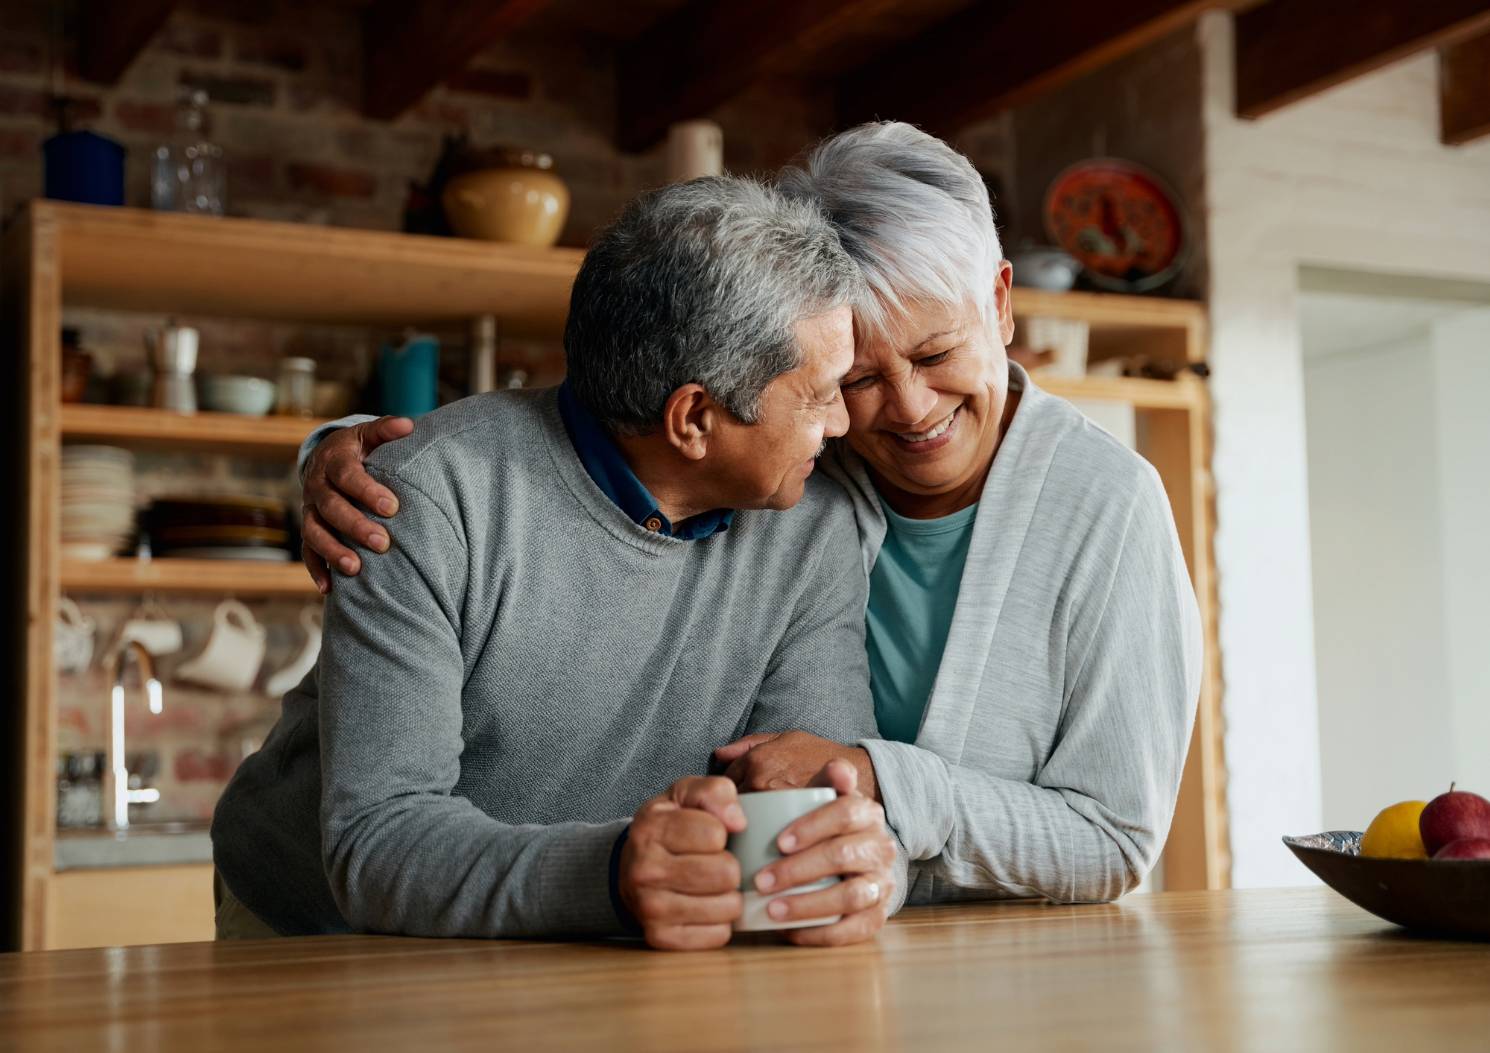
[912, 213]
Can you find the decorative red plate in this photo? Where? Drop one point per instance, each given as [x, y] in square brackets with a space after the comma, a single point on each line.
[1120, 222]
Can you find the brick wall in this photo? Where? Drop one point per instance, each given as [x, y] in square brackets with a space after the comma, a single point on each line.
[285, 80]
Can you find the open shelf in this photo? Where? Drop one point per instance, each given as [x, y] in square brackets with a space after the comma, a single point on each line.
[162, 429]
[133, 259]
[219, 576]
[1143, 394]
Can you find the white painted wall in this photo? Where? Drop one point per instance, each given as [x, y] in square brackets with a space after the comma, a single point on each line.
[1461, 347]
[1356, 179]
[1399, 488]
[1386, 717]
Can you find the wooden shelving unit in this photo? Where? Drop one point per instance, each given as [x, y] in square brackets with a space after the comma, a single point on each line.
[135, 260]
[212, 576]
[65, 255]
[159, 429]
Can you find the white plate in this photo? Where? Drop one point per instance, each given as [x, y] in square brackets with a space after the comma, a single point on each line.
[259, 555]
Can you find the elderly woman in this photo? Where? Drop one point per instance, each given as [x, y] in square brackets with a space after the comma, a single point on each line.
[1033, 639]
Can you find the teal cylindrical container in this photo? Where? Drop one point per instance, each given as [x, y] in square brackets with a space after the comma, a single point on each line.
[408, 375]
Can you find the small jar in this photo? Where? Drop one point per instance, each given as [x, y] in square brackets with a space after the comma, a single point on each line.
[297, 387]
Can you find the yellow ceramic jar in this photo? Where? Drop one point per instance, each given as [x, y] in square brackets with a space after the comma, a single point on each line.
[521, 201]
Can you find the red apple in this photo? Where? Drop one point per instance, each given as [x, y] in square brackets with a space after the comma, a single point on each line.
[1454, 816]
[1465, 848]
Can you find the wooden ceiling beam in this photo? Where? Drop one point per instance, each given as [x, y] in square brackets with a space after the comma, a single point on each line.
[1464, 90]
[110, 35]
[708, 51]
[997, 55]
[1287, 50]
[409, 48]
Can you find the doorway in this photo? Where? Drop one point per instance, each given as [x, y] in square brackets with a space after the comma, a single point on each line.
[1397, 405]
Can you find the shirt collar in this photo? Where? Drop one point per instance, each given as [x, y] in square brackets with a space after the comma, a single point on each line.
[607, 467]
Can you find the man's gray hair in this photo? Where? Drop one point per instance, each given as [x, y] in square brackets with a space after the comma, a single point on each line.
[912, 212]
[700, 282]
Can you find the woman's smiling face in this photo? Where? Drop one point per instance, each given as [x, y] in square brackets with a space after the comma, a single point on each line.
[927, 403]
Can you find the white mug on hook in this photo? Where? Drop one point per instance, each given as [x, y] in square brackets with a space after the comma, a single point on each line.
[233, 654]
[153, 629]
[72, 639]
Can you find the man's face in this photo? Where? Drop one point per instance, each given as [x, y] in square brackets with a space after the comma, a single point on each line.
[766, 464]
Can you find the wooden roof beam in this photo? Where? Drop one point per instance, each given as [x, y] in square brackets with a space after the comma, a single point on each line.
[1464, 90]
[1287, 50]
[997, 55]
[409, 48]
[698, 57]
[110, 35]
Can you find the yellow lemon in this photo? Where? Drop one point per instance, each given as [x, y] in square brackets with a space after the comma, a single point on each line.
[1394, 833]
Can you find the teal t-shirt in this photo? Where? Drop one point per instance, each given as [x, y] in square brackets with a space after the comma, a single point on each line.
[912, 594]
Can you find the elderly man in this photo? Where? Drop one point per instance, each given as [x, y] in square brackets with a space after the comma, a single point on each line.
[573, 615]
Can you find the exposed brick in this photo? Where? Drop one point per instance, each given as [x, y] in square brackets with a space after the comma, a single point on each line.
[244, 12]
[74, 719]
[24, 102]
[188, 38]
[279, 50]
[21, 142]
[82, 112]
[251, 176]
[331, 181]
[153, 117]
[195, 765]
[437, 109]
[498, 83]
[244, 91]
[19, 54]
[327, 98]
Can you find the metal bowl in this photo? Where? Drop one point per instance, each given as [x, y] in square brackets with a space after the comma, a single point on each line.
[1449, 897]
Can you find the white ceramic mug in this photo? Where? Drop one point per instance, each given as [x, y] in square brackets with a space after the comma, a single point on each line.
[153, 629]
[72, 640]
[287, 678]
[233, 654]
[767, 814]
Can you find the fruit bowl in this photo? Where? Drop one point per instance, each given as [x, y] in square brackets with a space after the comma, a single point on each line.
[1442, 896]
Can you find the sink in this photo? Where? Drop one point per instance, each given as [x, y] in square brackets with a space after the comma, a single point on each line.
[144, 844]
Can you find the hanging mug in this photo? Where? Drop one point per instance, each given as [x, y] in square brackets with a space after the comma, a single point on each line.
[233, 654]
[153, 629]
[72, 640]
[287, 678]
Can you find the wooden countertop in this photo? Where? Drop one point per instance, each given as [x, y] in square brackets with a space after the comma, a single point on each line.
[1255, 970]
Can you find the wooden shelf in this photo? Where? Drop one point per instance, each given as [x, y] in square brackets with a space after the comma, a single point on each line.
[1183, 393]
[217, 576]
[138, 260]
[153, 428]
[1109, 310]
[1152, 327]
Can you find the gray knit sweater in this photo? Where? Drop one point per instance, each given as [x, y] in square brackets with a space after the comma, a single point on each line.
[499, 692]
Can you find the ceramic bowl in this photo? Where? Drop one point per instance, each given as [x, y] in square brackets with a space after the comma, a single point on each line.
[521, 201]
[1450, 897]
[247, 396]
[1049, 269]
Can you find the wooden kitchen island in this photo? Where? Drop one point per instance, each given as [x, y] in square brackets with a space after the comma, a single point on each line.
[1254, 970]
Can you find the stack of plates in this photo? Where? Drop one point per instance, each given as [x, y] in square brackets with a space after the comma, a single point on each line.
[98, 501]
[219, 528]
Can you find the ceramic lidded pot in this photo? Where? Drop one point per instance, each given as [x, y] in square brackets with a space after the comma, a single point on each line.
[507, 195]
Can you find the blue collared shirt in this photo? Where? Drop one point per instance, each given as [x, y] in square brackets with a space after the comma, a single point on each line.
[605, 464]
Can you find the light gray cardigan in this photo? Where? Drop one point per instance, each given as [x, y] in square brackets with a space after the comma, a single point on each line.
[1049, 757]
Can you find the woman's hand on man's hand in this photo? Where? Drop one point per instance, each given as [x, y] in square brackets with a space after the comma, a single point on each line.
[334, 479]
[788, 760]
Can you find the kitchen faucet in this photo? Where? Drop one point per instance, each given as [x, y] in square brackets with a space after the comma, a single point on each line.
[116, 779]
